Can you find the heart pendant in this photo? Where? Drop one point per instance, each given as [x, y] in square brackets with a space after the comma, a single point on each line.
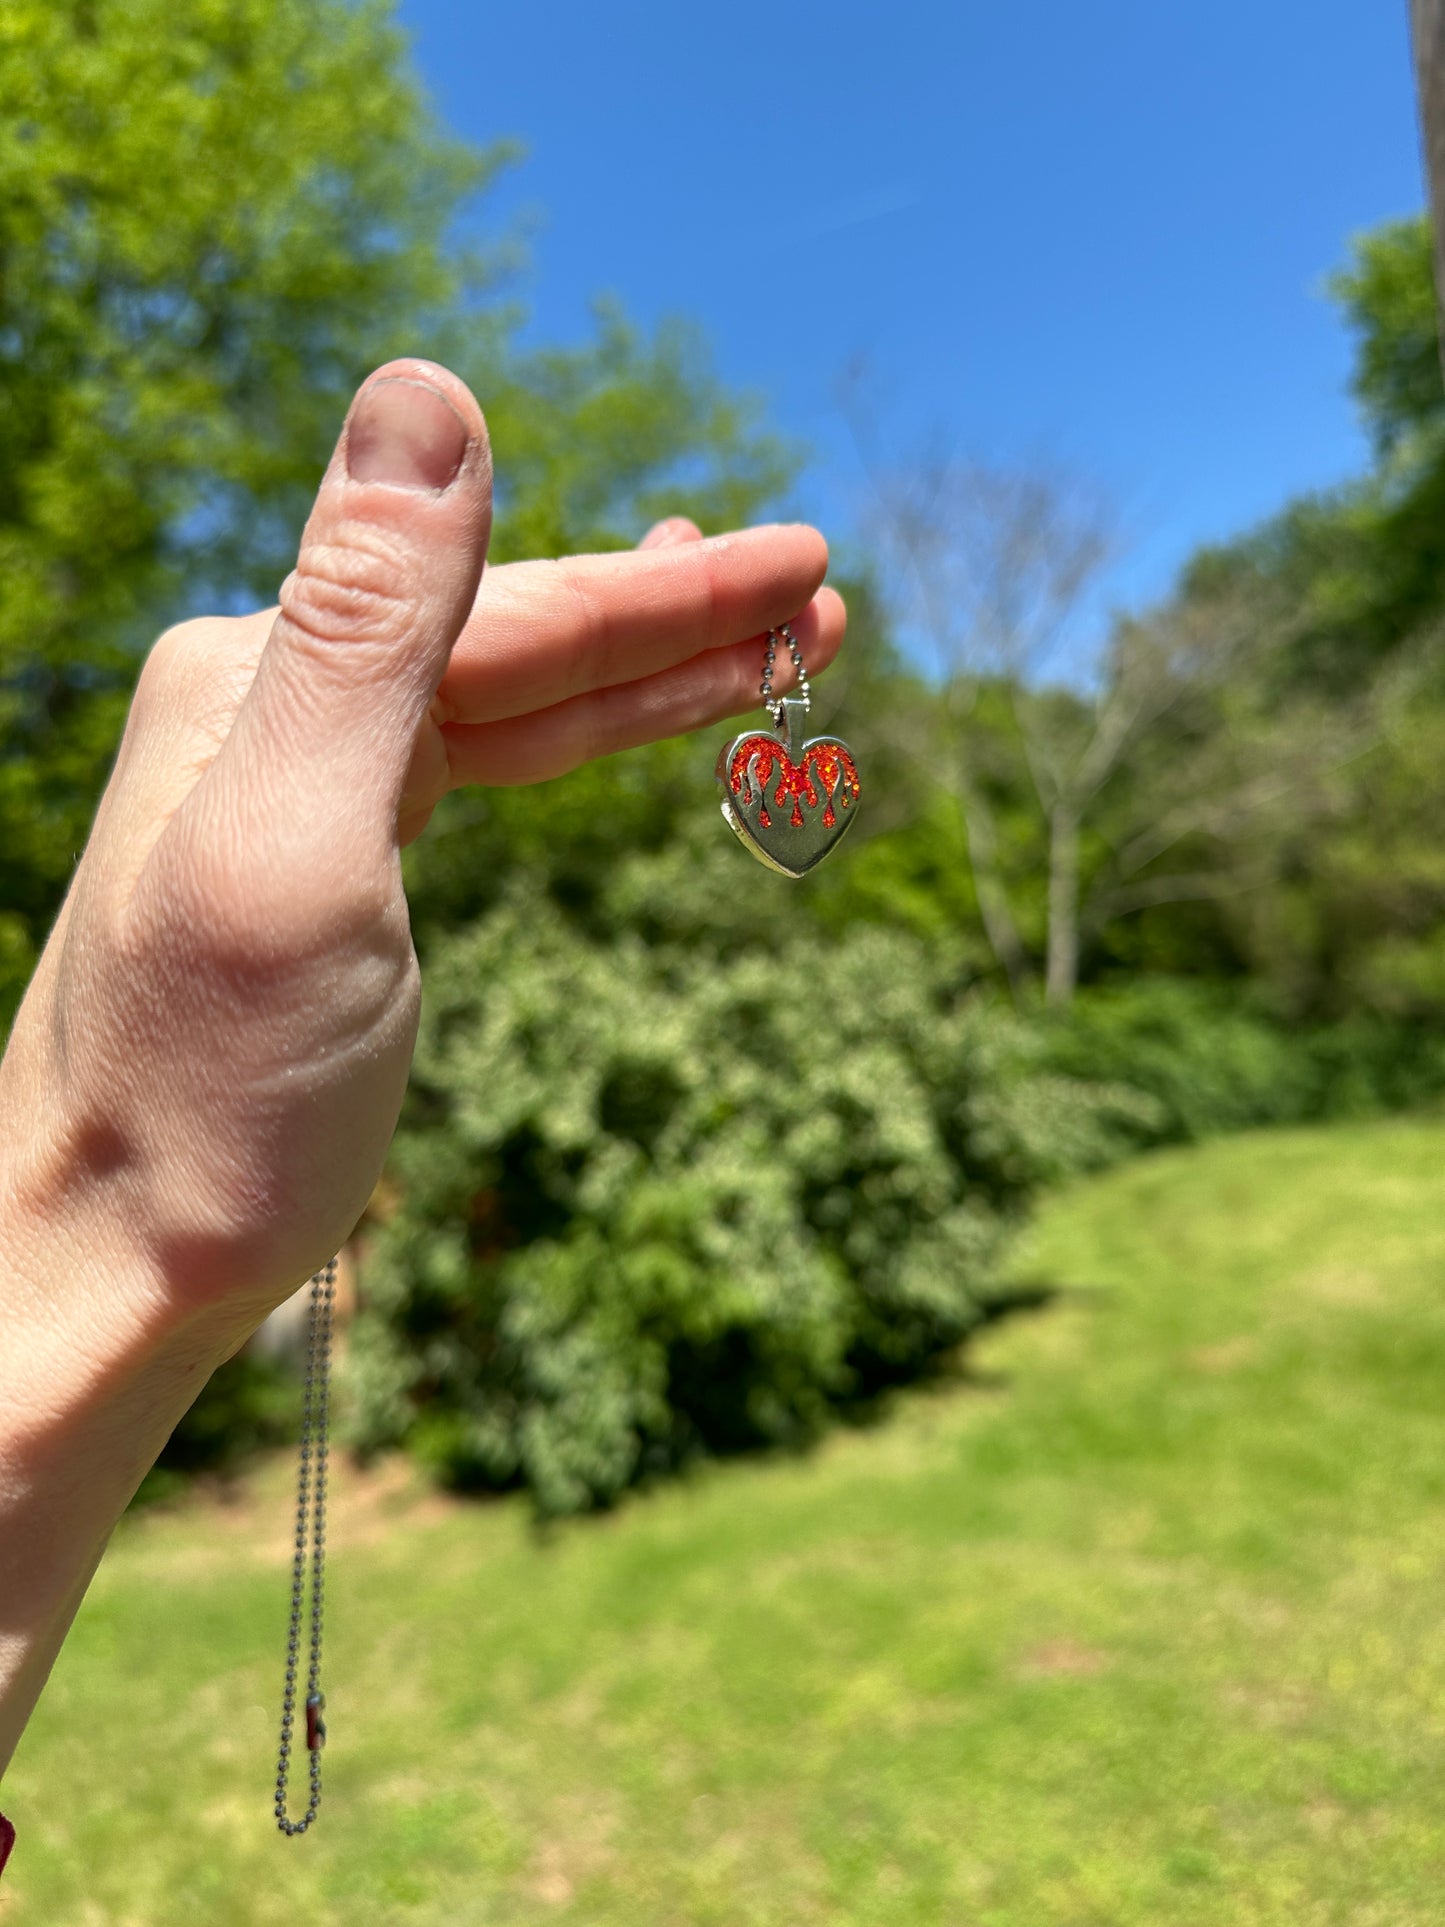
[786, 801]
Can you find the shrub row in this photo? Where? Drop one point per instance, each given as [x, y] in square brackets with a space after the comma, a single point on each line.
[1210, 1062]
[647, 1205]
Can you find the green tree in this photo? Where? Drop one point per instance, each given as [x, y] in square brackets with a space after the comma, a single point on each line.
[1237, 789]
[1351, 908]
[1363, 565]
[213, 221]
[1387, 292]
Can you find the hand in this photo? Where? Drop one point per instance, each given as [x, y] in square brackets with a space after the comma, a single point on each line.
[211, 1058]
[206, 1071]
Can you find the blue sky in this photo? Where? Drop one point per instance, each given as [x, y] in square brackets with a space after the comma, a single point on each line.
[1092, 233]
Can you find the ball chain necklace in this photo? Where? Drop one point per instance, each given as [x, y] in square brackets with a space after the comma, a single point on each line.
[788, 802]
[310, 1551]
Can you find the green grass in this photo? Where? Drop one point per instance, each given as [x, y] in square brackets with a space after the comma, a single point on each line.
[1141, 1622]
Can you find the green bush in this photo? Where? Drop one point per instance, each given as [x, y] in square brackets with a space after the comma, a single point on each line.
[654, 1204]
[1210, 1061]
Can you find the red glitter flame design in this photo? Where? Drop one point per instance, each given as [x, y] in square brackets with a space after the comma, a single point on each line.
[826, 775]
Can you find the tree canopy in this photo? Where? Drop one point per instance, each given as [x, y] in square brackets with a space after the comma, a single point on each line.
[213, 222]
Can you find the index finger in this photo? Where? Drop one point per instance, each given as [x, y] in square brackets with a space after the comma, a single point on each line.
[541, 632]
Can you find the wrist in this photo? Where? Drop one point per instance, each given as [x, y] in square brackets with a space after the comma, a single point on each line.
[96, 1367]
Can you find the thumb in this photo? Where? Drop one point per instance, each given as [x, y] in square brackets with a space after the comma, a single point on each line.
[385, 578]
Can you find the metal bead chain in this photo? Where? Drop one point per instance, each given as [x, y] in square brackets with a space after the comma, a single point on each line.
[775, 636]
[310, 1545]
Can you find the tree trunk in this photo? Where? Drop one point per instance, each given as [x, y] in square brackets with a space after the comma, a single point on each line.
[993, 905]
[1427, 22]
[1063, 967]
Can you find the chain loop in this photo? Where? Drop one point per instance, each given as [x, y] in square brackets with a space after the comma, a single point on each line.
[775, 636]
[310, 1547]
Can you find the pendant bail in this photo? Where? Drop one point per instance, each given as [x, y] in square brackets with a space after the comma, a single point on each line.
[791, 715]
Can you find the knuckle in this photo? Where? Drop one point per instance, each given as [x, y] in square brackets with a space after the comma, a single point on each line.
[737, 683]
[193, 663]
[711, 600]
[589, 629]
[170, 660]
[173, 645]
[727, 687]
[590, 728]
[358, 587]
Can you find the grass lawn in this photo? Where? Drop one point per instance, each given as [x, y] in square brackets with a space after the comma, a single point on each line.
[1141, 1622]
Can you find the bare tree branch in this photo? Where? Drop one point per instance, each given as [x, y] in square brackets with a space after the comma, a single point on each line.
[1172, 732]
[1188, 887]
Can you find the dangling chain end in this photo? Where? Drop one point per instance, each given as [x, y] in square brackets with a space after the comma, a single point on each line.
[310, 1551]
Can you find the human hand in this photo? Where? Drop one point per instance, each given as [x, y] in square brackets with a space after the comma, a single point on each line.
[209, 1064]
